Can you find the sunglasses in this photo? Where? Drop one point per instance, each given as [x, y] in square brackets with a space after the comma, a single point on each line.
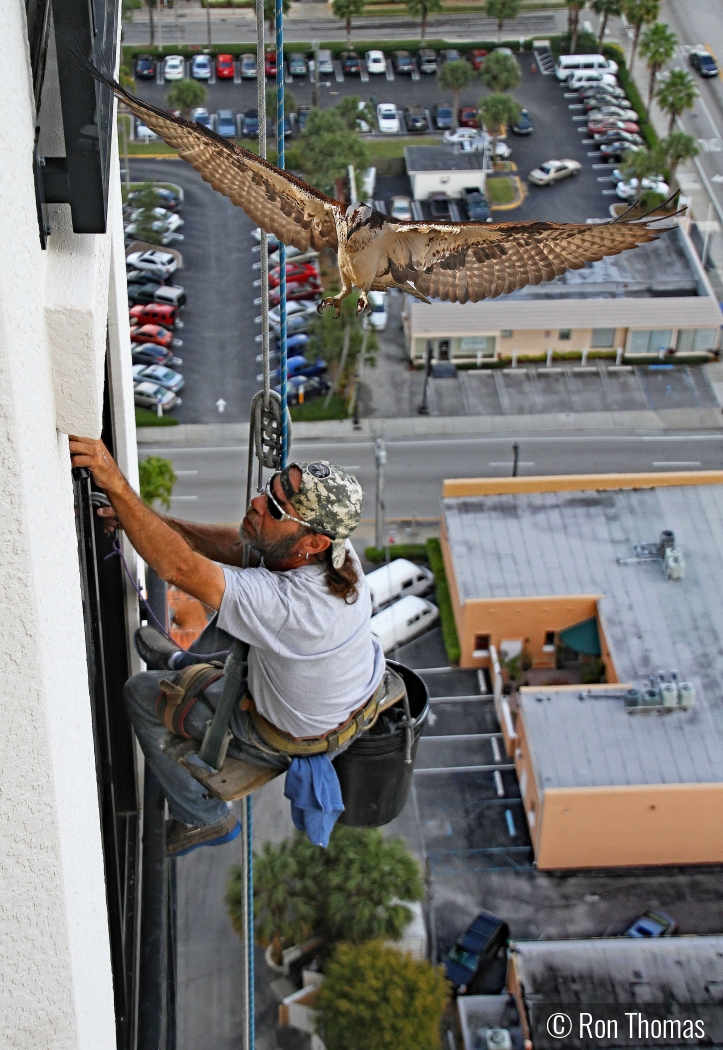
[278, 514]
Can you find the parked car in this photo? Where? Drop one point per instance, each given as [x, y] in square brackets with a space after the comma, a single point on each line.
[154, 263]
[524, 124]
[250, 124]
[473, 953]
[173, 68]
[160, 374]
[589, 77]
[403, 621]
[224, 67]
[270, 64]
[401, 209]
[326, 62]
[703, 62]
[299, 366]
[143, 132]
[449, 54]
[309, 386]
[478, 143]
[247, 63]
[468, 117]
[615, 135]
[427, 61]
[296, 344]
[226, 124]
[299, 308]
[141, 292]
[415, 120]
[297, 64]
[166, 198]
[145, 68]
[376, 62]
[598, 99]
[201, 115]
[553, 171]
[618, 112]
[402, 63]
[302, 116]
[296, 273]
[350, 63]
[164, 219]
[388, 118]
[454, 138]
[630, 191]
[163, 232]
[653, 924]
[477, 207]
[201, 67]
[296, 323]
[441, 116]
[172, 294]
[153, 333]
[602, 126]
[380, 314]
[396, 580]
[439, 207]
[312, 290]
[617, 150]
[149, 354]
[607, 90]
[154, 313]
[150, 395]
[477, 57]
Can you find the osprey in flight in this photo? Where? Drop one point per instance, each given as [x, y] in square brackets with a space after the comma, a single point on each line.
[461, 262]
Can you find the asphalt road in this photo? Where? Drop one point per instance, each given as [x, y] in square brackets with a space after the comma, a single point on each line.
[211, 482]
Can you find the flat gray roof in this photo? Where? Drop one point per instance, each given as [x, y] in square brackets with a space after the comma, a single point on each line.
[440, 158]
[566, 543]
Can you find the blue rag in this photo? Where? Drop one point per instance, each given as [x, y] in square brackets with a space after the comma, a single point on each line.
[312, 788]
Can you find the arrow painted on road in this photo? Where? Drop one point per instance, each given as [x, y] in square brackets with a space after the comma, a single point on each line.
[221, 405]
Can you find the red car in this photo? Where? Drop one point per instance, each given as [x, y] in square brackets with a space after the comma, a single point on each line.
[270, 64]
[468, 117]
[296, 273]
[296, 291]
[224, 67]
[599, 126]
[477, 57]
[154, 313]
[152, 333]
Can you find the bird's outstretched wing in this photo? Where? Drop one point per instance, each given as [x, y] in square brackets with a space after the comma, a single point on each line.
[466, 262]
[275, 200]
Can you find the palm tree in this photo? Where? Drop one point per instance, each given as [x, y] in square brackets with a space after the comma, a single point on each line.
[605, 8]
[500, 72]
[422, 8]
[639, 13]
[186, 95]
[346, 9]
[455, 77]
[658, 46]
[676, 94]
[502, 11]
[496, 112]
[574, 7]
[156, 475]
[677, 148]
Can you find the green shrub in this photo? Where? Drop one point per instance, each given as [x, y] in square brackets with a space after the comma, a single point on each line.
[374, 998]
[146, 418]
[397, 550]
[444, 601]
[157, 479]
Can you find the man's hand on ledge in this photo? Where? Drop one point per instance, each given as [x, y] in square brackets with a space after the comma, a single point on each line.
[92, 453]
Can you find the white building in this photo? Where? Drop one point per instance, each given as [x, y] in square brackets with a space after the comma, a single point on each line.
[69, 804]
[443, 169]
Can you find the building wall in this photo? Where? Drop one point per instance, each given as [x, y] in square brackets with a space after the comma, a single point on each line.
[54, 951]
[453, 183]
[623, 826]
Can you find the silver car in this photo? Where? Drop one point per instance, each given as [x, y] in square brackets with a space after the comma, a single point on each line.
[151, 395]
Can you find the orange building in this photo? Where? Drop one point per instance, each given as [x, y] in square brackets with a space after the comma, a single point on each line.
[562, 581]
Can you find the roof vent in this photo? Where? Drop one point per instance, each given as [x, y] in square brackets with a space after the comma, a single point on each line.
[664, 693]
[664, 551]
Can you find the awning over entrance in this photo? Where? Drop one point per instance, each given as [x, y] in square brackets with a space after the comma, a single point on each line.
[583, 637]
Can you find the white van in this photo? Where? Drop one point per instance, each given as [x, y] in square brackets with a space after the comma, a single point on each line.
[589, 78]
[566, 65]
[397, 579]
[403, 621]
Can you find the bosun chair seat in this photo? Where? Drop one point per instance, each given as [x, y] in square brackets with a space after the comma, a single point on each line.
[236, 778]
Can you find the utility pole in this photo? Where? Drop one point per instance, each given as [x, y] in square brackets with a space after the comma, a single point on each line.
[423, 409]
[315, 82]
[515, 458]
[380, 454]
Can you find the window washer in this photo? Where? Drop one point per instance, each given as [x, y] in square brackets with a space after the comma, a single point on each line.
[314, 667]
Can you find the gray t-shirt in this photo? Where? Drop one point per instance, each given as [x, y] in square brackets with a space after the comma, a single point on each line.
[313, 659]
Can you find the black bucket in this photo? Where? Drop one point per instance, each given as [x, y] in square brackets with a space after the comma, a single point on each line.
[374, 777]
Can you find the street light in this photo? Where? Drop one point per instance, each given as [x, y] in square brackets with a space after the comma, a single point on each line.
[423, 409]
[380, 455]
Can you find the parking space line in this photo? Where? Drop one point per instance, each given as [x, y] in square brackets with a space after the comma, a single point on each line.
[609, 193]
[604, 178]
[593, 153]
[570, 94]
[430, 125]
[389, 71]
[580, 118]
[159, 72]
[338, 72]
[576, 106]
[598, 165]
[364, 75]
[416, 75]
[237, 72]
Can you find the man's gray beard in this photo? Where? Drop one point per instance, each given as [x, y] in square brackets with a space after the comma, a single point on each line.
[279, 550]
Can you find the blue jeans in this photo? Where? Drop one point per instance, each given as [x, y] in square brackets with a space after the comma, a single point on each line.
[188, 800]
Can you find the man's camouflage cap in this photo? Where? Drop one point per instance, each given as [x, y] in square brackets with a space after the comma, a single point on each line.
[329, 499]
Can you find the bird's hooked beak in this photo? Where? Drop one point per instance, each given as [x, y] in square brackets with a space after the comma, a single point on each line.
[357, 215]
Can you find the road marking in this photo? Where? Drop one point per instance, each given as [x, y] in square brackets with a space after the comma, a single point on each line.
[604, 178]
[609, 193]
[593, 153]
[183, 473]
[507, 463]
[576, 107]
[338, 71]
[389, 71]
[416, 75]
[676, 463]
[187, 498]
[598, 165]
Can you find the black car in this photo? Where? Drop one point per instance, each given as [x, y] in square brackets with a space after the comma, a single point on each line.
[402, 62]
[145, 68]
[250, 124]
[142, 291]
[415, 119]
[450, 54]
[313, 386]
[524, 124]
[619, 136]
[704, 63]
[439, 207]
[615, 150]
[442, 117]
[471, 957]
[350, 63]
[477, 207]
[302, 115]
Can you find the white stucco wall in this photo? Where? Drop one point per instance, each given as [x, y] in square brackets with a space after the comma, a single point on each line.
[55, 977]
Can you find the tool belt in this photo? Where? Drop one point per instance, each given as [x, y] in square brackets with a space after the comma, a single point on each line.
[178, 695]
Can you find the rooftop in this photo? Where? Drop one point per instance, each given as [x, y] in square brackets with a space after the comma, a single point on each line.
[441, 158]
[538, 544]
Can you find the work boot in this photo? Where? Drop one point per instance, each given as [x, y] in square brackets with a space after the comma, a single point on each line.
[154, 648]
[184, 838]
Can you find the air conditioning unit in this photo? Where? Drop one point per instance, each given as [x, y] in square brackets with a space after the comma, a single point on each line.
[673, 563]
[668, 694]
[498, 1039]
[686, 694]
